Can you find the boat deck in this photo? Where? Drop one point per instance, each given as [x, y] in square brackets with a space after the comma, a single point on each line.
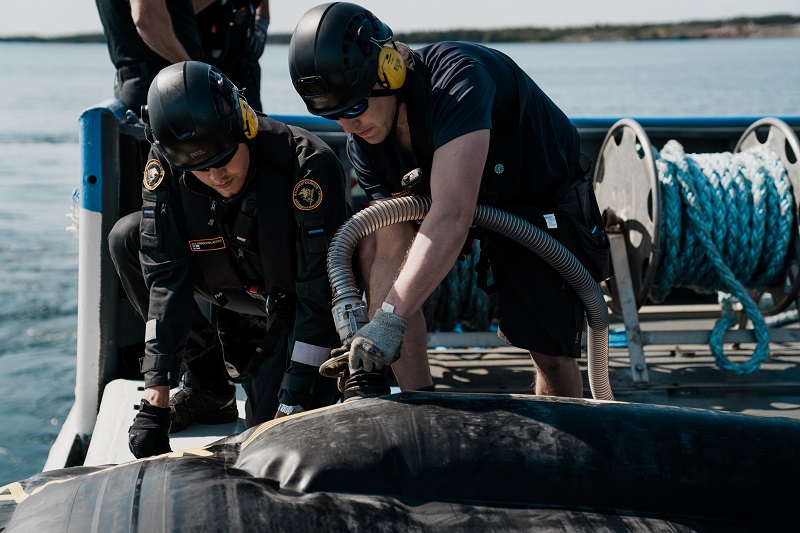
[684, 376]
[680, 375]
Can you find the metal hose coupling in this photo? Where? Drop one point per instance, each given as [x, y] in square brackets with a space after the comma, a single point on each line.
[359, 384]
[349, 315]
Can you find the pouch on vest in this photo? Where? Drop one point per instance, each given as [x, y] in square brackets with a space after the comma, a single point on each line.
[588, 243]
[582, 231]
[591, 233]
[580, 226]
[153, 222]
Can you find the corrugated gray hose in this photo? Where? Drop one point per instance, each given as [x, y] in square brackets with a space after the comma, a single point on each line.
[349, 311]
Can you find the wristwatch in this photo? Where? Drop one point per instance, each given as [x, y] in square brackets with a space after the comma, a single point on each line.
[290, 409]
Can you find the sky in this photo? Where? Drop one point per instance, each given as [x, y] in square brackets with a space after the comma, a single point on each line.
[50, 18]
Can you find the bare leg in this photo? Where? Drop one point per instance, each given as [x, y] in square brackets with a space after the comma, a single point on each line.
[557, 376]
[380, 268]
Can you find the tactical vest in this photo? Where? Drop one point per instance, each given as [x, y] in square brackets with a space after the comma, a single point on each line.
[279, 224]
[224, 31]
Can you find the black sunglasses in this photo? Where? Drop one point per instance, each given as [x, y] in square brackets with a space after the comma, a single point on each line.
[359, 109]
[221, 163]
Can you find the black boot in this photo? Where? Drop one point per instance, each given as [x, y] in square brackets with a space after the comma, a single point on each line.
[195, 406]
[207, 397]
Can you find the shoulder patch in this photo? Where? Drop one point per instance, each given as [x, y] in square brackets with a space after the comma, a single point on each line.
[153, 174]
[307, 195]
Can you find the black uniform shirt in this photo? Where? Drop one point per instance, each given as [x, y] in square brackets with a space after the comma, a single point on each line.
[125, 45]
[186, 243]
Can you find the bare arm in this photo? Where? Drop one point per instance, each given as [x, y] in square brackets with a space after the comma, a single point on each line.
[158, 395]
[455, 182]
[154, 25]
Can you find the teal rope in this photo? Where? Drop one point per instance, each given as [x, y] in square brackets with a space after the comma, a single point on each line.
[726, 225]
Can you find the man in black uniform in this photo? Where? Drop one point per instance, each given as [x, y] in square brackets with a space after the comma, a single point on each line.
[238, 210]
[143, 37]
[233, 33]
[480, 130]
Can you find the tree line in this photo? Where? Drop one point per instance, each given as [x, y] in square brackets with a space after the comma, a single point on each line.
[741, 27]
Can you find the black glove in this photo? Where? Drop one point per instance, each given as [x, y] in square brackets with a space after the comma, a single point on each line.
[149, 434]
[258, 38]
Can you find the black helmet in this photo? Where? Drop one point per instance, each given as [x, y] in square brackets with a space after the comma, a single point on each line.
[333, 56]
[194, 116]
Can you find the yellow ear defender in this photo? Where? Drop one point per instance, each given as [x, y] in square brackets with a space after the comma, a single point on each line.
[391, 68]
[249, 119]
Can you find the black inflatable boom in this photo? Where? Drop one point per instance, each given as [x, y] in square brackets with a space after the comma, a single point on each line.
[444, 462]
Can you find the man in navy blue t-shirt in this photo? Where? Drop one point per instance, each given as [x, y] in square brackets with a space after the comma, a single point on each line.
[479, 130]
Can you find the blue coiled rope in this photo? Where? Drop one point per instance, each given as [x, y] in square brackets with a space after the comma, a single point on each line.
[726, 225]
[458, 303]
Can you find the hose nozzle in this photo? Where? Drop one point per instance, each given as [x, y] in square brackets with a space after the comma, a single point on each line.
[349, 314]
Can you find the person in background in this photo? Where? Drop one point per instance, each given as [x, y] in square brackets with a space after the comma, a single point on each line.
[233, 34]
[143, 37]
[237, 210]
[475, 128]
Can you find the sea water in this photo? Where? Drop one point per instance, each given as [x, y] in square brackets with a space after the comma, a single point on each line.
[45, 87]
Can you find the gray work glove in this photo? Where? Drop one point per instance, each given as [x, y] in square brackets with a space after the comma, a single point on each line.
[258, 38]
[149, 434]
[378, 343]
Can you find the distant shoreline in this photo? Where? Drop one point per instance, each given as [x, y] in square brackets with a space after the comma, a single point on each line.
[738, 28]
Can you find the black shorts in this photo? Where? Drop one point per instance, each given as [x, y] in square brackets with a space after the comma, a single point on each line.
[539, 310]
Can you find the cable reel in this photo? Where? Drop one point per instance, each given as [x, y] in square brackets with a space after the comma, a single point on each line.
[629, 196]
[775, 135]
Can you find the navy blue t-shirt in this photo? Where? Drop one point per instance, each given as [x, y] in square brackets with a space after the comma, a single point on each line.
[473, 87]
